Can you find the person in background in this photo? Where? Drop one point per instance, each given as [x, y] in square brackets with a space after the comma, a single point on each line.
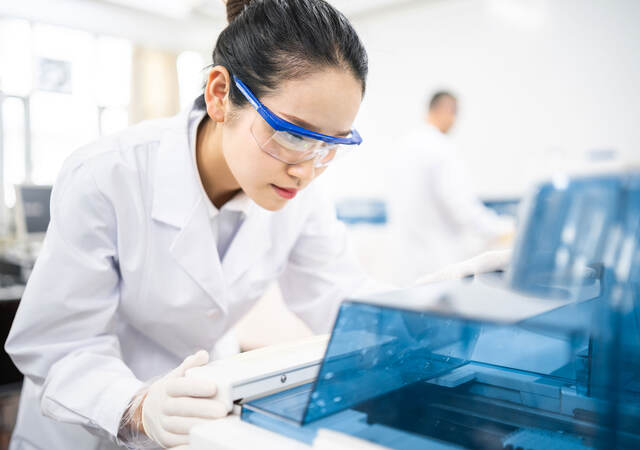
[442, 111]
[437, 220]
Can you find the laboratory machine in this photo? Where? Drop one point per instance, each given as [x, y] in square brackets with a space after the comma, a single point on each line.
[545, 355]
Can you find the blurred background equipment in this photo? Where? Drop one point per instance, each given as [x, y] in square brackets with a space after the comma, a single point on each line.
[32, 211]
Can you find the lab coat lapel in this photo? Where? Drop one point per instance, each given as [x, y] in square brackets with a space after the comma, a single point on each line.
[195, 250]
[250, 242]
[178, 202]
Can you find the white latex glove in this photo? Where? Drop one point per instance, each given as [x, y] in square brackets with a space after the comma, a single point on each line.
[174, 404]
[483, 263]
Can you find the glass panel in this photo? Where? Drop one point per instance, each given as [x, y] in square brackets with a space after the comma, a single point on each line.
[408, 346]
[15, 57]
[14, 146]
[564, 232]
[546, 381]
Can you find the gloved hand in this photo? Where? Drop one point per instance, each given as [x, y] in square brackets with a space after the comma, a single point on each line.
[174, 404]
[483, 263]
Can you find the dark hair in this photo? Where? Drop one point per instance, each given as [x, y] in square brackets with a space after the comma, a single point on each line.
[435, 99]
[269, 41]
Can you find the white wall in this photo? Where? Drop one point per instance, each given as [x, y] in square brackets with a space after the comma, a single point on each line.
[536, 79]
[149, 30]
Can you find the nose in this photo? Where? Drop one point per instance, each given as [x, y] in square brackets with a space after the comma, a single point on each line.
[304, 172]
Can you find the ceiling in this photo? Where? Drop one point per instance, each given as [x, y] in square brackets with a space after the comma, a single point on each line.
[214, 9]
[173, 25]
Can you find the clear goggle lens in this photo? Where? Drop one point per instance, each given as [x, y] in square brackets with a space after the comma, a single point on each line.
[291, 148]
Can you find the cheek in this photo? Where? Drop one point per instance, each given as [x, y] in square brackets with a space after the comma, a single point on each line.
[247, 162]
[319, 172]
[239, 148]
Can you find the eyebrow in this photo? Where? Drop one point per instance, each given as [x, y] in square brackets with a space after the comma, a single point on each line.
[304, 124]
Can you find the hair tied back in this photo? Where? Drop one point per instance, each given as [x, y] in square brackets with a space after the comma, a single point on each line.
[271, 41]
[234, 8]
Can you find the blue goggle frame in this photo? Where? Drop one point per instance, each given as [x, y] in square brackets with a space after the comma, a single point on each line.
[280, 124]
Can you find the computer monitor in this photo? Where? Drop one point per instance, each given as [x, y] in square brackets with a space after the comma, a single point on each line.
[32, 211]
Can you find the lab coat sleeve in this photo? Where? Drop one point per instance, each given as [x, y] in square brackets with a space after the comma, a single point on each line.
[322, 269]
[63, 337]
[454, 195]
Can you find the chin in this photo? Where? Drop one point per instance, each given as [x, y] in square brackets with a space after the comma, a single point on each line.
[271, 204]
[272, 207]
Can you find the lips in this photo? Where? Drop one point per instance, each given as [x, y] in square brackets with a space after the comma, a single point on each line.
[287, 193]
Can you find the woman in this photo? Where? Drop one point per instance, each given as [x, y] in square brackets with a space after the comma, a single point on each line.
[163, 236]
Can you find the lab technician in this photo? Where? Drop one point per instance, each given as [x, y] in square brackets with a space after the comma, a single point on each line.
[163, 236]
[438, 220]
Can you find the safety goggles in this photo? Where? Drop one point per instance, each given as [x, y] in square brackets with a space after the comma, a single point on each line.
[290, 143]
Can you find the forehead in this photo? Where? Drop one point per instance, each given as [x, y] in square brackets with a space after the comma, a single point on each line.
[328, 100]
[448, 102]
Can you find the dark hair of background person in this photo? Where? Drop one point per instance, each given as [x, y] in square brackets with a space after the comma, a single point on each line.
[438, 96]
[270, 41]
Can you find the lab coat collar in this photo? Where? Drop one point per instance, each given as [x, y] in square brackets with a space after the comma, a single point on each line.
[250, 242]
[240, 203]
[194, 249]
[175, 185]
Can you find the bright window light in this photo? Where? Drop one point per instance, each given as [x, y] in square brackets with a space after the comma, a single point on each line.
[191, 76]
[15, 56]
[113, 119]
[13, 139]
[60, 124]
[113, 71]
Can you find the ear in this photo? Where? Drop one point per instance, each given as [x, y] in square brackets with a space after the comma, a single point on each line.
[216, 94]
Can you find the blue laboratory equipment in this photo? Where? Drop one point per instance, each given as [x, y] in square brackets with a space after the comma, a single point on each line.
[567, 376]
[354, 211]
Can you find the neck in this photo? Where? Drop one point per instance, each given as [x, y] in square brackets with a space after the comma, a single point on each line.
[217, 179]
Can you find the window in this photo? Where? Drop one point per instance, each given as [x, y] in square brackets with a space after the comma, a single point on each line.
[190, 77]
[114, 80]
[13, 136]
[15, 57]
[15, 86]
[59, 89]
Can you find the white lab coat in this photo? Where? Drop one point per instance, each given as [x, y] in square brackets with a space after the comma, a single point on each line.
[129, 282]
[436, 219]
